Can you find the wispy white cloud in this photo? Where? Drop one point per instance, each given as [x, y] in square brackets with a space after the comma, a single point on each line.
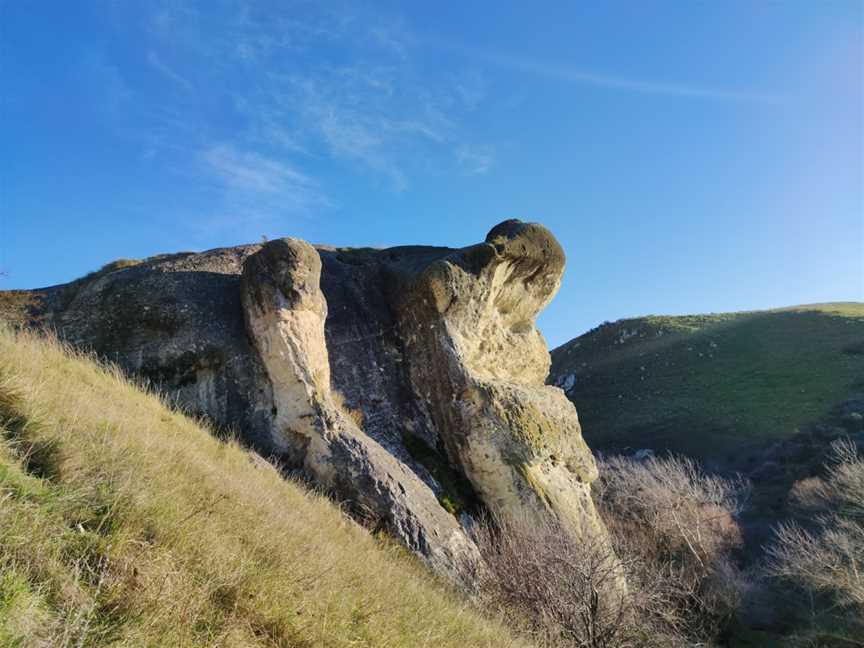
[279, 95]
[347, 136]
[574, 74]
[250, 171]
[475, 161]
[103, 80]
[471, 87]
[356, 114]
[391, 38]
[157, 64]
[257, 177]
[269, 132]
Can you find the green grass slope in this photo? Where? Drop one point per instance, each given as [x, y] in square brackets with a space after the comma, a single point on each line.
[712, 386]
[124, 523]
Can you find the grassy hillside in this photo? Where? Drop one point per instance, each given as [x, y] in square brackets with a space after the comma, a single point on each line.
[124, 523]
[712, 386]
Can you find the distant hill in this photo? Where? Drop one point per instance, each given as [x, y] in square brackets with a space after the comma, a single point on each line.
[717, 386]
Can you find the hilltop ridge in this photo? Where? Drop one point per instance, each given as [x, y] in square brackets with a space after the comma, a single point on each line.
[715, 386]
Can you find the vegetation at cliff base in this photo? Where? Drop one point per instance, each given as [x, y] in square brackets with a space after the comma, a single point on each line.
[125, 523]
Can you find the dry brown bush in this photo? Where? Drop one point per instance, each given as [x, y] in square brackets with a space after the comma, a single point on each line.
[826, 561]
[671, 528]
[558, 591]
[686, 512]
[675, 528]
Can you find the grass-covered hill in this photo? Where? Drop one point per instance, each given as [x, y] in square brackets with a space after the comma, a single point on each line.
[713, 386]
[125, 523]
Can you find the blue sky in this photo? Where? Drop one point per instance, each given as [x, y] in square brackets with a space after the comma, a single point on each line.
[690, 156]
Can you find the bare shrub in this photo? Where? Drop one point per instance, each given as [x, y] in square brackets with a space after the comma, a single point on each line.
[674, 528]
[841, 490]
[685, 510]
[671, 531]
[827, 560]
[559, 591]
[830, 560]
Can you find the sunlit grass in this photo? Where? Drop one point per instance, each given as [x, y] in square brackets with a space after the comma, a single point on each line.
[125, 523]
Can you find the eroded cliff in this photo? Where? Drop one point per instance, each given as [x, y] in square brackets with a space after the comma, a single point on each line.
[408, 381]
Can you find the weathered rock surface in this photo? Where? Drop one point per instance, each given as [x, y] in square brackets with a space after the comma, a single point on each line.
[480, 363]
[285, 314]
[409, 381]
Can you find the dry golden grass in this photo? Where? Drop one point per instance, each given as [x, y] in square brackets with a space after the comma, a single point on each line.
[124, 523]
[17, 306]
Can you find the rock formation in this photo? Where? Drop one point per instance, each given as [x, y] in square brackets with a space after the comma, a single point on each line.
[480, 363]
[408, 381]
[285, 315]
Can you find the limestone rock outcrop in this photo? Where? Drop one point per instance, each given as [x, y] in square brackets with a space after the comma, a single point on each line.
[468, 325]
[407, 381]
[285, 314]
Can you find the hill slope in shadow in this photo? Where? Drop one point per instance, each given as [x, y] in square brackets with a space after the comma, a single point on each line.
[715, 387]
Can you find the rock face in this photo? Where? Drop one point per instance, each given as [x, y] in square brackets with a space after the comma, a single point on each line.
[477, 359]
[408, 381]
[285, 315]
